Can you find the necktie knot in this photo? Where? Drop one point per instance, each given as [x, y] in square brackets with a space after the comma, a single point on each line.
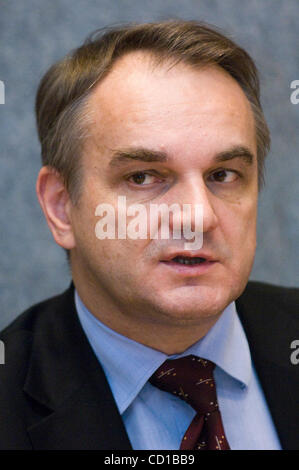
[189, 378]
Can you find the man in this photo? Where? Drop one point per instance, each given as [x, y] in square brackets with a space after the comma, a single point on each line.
[163, 113]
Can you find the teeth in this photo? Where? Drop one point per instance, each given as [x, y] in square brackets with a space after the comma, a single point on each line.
[186, 260]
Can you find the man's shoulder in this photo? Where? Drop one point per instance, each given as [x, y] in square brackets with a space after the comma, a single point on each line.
[34, 317]
[33, 325]
[270, 317]
[269, 299]
[25, 341]
[271, 289]
[53, 385]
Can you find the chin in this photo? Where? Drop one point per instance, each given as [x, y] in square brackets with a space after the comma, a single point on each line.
[194, 303]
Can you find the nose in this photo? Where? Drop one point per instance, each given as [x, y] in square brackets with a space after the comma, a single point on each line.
[195, 200]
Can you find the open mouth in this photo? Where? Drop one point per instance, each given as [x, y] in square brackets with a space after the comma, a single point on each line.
[188, 260]
[189, 265]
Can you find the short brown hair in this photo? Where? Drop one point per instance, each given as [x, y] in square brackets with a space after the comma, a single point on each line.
[66, 87]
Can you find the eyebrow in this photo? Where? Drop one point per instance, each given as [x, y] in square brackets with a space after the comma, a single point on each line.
[141, 154]
[236, 152]
[138, 154]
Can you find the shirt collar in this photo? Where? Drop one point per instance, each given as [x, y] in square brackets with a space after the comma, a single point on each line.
[226, 345]
[128, 365]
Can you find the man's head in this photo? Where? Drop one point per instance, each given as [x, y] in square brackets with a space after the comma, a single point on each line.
[159, 113]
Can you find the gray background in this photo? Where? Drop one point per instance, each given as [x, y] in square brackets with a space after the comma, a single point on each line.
[35, 33]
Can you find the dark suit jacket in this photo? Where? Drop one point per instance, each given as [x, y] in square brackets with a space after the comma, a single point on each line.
[54, 394]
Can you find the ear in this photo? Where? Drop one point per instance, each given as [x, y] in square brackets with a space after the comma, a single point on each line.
[56, 204]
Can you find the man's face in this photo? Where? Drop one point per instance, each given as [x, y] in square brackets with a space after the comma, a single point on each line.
[200, 125]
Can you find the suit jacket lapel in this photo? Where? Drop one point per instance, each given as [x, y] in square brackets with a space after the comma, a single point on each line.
[270, 327]
[67, 382]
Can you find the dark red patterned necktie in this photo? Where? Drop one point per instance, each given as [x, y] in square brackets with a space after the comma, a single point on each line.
[191, 379]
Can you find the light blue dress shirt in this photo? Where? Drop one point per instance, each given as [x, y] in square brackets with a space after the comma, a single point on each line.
[156, 420]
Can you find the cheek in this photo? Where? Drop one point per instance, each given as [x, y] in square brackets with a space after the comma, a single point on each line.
[239, 227]
[83, 223]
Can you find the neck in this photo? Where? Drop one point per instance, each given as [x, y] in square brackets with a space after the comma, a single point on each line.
[165, 334]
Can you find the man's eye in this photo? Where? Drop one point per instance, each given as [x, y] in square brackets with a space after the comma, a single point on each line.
[224, 176]
[142, 179]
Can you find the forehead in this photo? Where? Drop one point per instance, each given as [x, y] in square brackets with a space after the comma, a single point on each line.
[169, 107]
